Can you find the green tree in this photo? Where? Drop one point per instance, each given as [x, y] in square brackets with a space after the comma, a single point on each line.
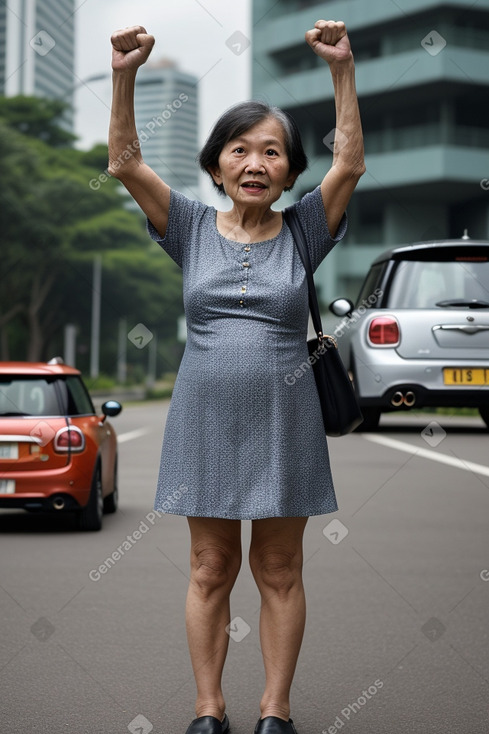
[38, 118]
[53, 222]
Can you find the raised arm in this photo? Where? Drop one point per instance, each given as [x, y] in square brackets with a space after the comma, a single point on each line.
[329, 40]
[130, 49]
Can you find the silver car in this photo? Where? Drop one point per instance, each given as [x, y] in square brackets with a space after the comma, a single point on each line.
[418, 334]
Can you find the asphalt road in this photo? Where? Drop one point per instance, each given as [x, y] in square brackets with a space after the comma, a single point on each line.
[397, 633]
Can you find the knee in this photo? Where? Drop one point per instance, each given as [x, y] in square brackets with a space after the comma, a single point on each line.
[279, 569]
[214, 568]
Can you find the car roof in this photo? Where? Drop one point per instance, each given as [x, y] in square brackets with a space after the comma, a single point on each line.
[31, 369]
[397, 253]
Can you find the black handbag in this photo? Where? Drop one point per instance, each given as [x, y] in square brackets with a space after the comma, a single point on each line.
[339, 404]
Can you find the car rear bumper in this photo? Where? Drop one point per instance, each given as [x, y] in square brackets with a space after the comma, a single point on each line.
[425, 398]
[57, 489]
[57, 502]
[378, 382]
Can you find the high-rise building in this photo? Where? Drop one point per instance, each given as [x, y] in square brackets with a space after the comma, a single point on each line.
[166, 106]
[37, 50]
[421, 71]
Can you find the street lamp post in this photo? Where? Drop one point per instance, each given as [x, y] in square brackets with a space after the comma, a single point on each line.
[96, 299]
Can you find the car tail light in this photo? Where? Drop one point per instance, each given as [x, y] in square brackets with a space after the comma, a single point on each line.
[69, 439]
[383, 331]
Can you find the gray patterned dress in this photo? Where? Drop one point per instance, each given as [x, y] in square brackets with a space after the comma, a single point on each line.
[244, 437]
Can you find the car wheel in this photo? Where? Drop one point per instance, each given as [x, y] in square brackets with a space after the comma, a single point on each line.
[111, 502]
[371, 417]
[90, 517]
[485, 415]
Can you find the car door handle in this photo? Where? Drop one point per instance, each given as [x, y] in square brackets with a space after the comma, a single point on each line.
[468, 329]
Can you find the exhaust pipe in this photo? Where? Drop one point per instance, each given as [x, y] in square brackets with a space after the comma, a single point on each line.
[409, 399]
[58, 503]
[397, 399]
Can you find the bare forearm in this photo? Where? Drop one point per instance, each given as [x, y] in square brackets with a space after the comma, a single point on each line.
[348, 151]
[124, 151]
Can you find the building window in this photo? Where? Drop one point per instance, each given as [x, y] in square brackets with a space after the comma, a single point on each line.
[370, 224]
[295, 59]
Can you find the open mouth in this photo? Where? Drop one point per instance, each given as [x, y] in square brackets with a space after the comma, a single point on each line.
[253, 185]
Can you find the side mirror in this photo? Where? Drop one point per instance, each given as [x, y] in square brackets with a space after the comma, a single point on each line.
[341, 307]
[111, 408]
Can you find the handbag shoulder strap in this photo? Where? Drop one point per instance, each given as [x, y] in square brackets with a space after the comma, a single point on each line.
[293, 222]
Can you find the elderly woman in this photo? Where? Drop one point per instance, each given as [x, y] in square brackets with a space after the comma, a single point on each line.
[240, 442]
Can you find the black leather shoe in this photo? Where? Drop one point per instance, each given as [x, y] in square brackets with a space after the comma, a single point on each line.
[209, 725]
[274, 725]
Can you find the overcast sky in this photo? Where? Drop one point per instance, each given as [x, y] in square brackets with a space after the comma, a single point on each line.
[192, 32]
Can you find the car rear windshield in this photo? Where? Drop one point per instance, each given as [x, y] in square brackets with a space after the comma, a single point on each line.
[370, 292]
[424, 284]
[43, 396]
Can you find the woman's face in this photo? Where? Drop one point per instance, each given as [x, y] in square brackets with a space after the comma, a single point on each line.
[254, 167]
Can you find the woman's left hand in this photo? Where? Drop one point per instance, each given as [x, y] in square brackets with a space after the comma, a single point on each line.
[329, 40]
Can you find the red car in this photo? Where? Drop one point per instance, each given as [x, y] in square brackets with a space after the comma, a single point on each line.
[56, 453]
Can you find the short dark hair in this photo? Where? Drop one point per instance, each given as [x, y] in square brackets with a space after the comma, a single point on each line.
[237, 120]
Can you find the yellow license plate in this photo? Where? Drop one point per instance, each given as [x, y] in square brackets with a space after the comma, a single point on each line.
[467, 376]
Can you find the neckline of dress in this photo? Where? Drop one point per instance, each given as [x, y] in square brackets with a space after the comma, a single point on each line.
[235, 243]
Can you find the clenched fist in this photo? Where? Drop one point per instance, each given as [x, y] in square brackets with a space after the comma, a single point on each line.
[329, 40]
[130, 48]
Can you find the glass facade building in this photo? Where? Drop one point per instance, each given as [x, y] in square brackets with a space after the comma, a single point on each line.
[421, 71]
[37, 40]
[166, 105]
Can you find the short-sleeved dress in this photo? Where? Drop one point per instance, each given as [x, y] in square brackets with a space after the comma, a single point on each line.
[244, 437]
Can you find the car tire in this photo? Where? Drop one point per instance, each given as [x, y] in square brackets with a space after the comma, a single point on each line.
[90, 516]
[371, 418]
[485, 415]
[111, 502]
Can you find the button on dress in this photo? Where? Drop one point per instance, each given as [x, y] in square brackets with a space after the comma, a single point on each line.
[244, 436]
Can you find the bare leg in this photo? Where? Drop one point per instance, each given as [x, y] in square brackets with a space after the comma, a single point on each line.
[215, 561]
[276, 563]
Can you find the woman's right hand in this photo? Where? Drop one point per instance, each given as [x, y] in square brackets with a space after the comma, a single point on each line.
[130, 48]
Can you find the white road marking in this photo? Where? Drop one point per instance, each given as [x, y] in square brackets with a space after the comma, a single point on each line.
[428, 454]
[131, 435]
